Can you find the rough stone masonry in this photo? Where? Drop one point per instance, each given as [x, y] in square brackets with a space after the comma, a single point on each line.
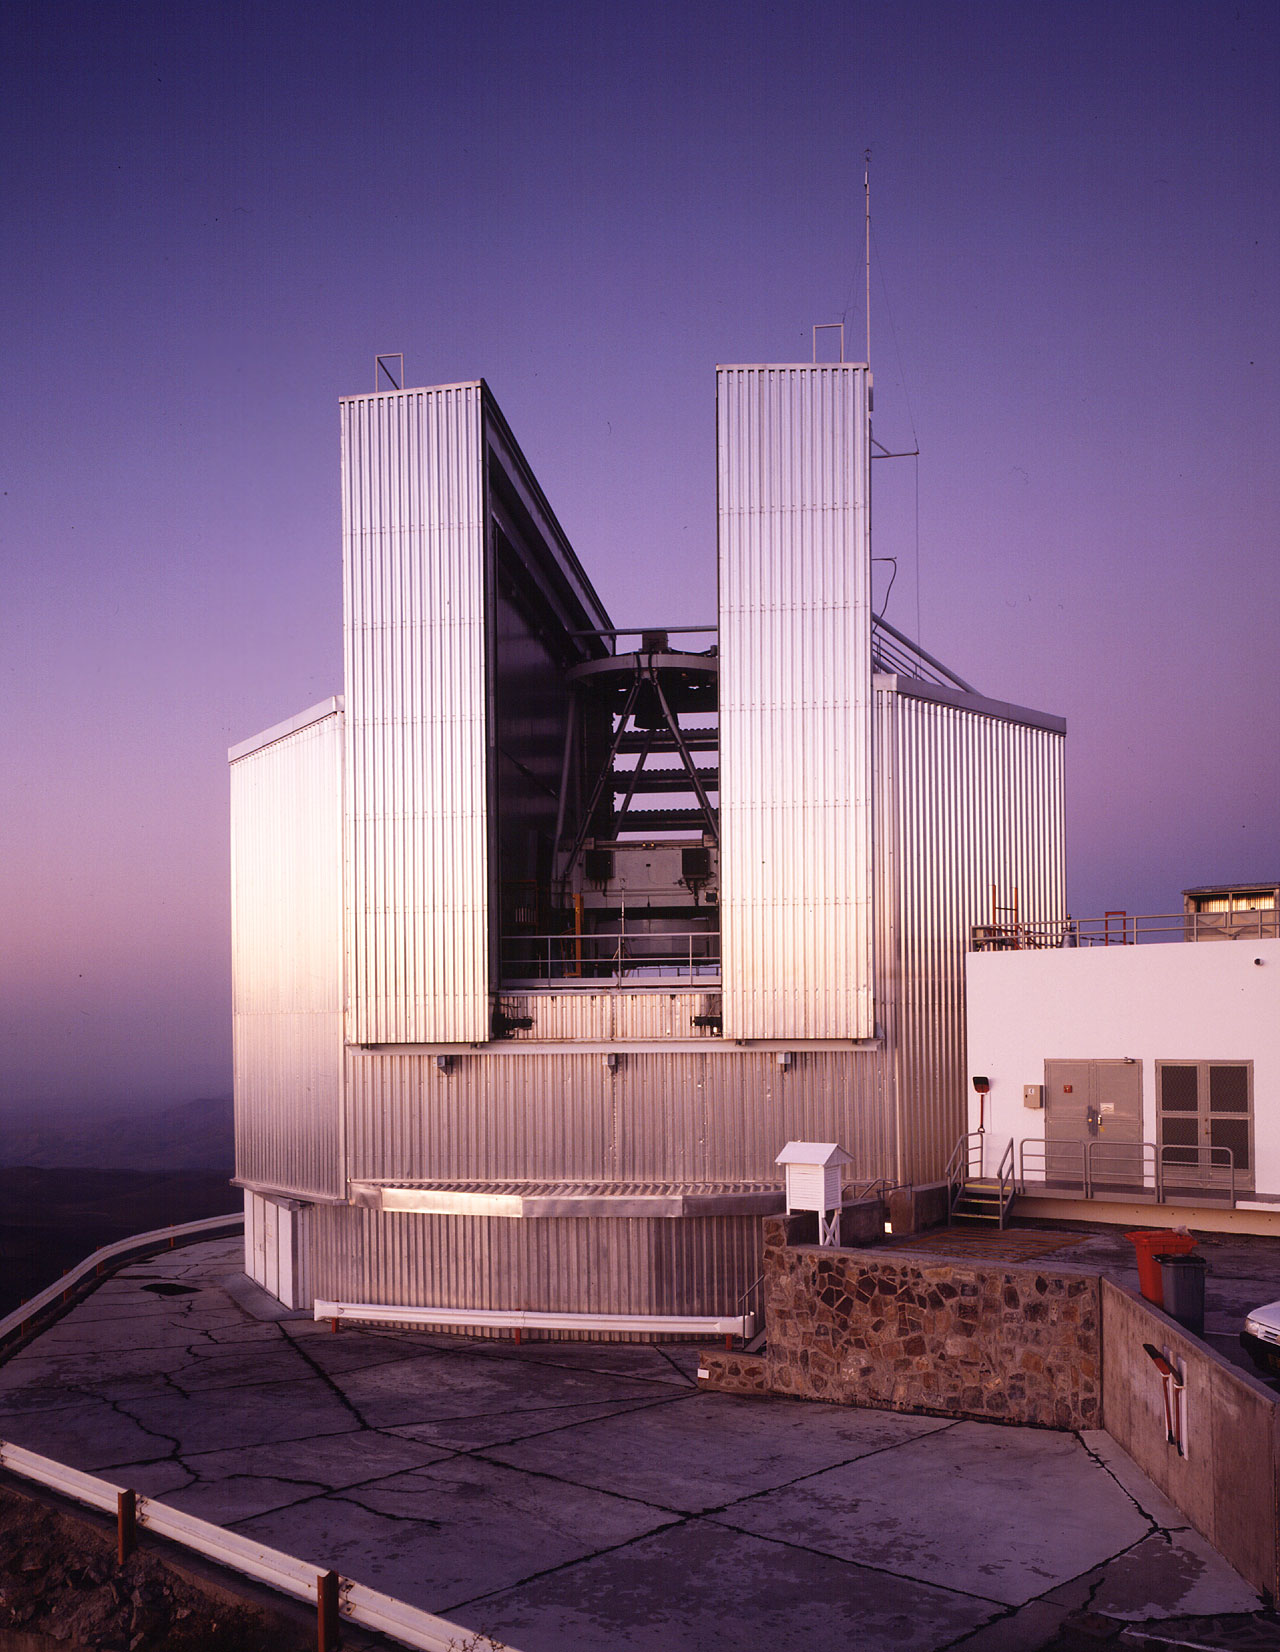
[998, 1341]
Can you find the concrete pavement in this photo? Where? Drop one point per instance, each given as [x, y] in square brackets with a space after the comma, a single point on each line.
[566, 1495]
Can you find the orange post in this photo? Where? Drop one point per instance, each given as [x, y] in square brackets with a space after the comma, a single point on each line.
[327, 1619]
[126, 1525]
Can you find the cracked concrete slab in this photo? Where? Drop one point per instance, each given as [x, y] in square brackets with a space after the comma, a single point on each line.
[490, 1428]
[352, 1350]
[334, 1461]
[1145, 1493]
[53, 1381]
[153, 1479]
[436, 1386]
[247, 1416]
[727, 1448]
[700, 1586]
[248, 1365]
[238, 1497]
[1004, 1513]
[647, 1362]
[456, 1529]
[569, 1495]
[90, 1434]
[1170, 1575]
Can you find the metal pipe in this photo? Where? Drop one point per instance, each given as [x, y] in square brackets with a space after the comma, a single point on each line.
[883, 625]
[639, 630]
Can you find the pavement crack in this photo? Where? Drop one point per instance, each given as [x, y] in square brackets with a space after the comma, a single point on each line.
[862, 1565]
[684, 1375]
[331, 1385]
[562, 1566]
[171, 1440]
[621, 1408]
[1110, 1473]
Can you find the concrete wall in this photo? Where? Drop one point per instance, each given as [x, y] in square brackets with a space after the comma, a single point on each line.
[1227, 1482]
[1176, 1002]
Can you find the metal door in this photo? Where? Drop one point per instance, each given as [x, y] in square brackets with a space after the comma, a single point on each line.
[1093, 1112]
[1206, 1125]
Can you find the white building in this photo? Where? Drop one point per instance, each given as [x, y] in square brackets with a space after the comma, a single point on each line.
[1130, 1063]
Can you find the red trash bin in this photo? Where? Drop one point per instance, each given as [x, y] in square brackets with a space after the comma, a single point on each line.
[1150, 1243]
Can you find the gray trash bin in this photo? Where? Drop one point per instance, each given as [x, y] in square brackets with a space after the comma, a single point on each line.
[1182, 1282]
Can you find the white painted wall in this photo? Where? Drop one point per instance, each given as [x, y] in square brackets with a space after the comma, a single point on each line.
[1181, 1001]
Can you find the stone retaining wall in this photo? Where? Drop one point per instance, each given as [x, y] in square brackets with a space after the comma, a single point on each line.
[911, 1331]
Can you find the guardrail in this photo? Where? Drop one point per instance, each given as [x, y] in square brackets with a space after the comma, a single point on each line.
[208, 1227]
[530, 1319]
[1125, 929]
[336, 1597]
[613, 955]
[1095, 1166]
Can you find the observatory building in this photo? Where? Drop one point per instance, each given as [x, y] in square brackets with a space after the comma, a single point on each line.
[548, 935]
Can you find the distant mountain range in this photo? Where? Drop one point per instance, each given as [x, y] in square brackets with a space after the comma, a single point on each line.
[191, 1135]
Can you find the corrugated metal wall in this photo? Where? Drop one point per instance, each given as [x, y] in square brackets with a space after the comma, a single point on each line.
[671, 1117]
[965, 800]
[795, 717]
[610, 1015]
[286, 892]
[703, 1264]
[413, 506]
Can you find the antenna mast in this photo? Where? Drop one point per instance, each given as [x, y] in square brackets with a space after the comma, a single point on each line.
[866, 190]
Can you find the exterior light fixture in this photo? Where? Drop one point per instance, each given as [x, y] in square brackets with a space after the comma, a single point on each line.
[611, 1061]
[445, 1064]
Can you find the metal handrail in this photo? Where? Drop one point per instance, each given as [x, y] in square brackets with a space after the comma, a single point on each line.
[1167, 1156]
[960, 1164]
[867, 1190]
[1033, 1145]
[1120, 1153]
[1124, 929]
[610, 954]
[1155, 1161]
[1004, 1175]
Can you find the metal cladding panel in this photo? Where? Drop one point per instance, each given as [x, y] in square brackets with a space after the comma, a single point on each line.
[604, 1015]
[693, 1265]
[795, 702]
[286, 891]
[413, 502]
[965, 800]
[675, 1116]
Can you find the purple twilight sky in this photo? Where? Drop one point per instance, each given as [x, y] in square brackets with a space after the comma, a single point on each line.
[215, 214]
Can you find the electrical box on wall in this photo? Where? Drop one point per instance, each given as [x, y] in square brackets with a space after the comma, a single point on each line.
[1033, 1095]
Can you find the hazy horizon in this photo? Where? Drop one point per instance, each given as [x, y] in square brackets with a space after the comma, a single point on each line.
[216, 216]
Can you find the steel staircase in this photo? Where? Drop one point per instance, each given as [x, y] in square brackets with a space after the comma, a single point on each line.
[975, 1197]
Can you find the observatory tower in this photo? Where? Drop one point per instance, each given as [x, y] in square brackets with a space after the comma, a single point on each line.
[548, 935]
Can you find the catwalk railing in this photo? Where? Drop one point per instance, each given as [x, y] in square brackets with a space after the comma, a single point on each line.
[1133, 1170]
[613, 956]
[1126, 929]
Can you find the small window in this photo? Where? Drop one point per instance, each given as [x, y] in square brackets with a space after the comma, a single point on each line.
[1179, 1089]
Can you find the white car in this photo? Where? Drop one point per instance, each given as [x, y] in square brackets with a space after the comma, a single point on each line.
[1261, 1338]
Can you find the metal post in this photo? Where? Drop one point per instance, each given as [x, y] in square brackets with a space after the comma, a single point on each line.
[126, 1525]
[327, 1612]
